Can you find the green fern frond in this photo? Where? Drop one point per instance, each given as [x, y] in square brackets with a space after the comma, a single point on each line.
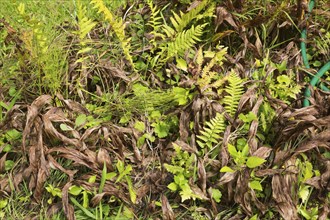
[155, 23]
[211, 132]
[85, 24]
[182, 21]
[118, 27]
[184, 40]
[235, 91]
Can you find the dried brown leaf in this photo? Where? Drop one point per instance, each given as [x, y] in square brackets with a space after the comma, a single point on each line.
[167, 210]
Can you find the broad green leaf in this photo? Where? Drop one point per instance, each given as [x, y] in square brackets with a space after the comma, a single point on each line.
[216, 195]
[9, 164]
[110, 175]
[255, 217]
[92, 179]
[255, 185]
[172, 186]
[65, 127]
[75, 190]
[308, 171]
[3, 203]
[13, 135]
[139, 125]
[254, 161]
[181, 64]
[162, 129]
[232, 151]
[226, 169]
[303, 193]
[80, 120]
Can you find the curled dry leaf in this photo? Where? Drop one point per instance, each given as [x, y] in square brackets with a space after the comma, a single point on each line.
[167, 210]
[103, 157]
[282, 186]
[32, 113]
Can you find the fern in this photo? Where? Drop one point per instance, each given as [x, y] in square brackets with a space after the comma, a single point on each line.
[235, 91]
[181, 38]
[184, 40]
[210, 133]
[85, 26]
[207, 75]
[155, 23]
[181, 22]
[118, 27]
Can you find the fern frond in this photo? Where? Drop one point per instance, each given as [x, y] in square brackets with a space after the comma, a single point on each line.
[211, 132]
[85, 24]
[235, 91]
[155, 23]
[181, 22]
[207, 75]
[184, 40]
[117, 26]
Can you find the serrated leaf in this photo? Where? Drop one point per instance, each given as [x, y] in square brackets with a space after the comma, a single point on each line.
[139, 125]
[216, 195]
[254, 161]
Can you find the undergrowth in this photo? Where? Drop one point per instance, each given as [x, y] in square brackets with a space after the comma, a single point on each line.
[161, 109]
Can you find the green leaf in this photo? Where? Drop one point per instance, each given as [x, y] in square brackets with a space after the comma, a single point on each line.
[226, 169]
[139, 125]
[9, 164]
[186, 192]
[216, 195]
[172, 186]
[92, 179]
[308, 171]
[181, 64]
[181, 95]
[173, 169]
[253, 161]
[304, 193]
[65, 127]
[131, 190]
[13, 135]
[3, 203]
[162, 129]
[284, 79]
[110, 175]
[255, 185]
[80, 120]
[180, 180]
[75, 190]
[255, 217]
[232, 151]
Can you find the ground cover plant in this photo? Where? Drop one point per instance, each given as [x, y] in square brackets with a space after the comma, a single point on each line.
[147, 109]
